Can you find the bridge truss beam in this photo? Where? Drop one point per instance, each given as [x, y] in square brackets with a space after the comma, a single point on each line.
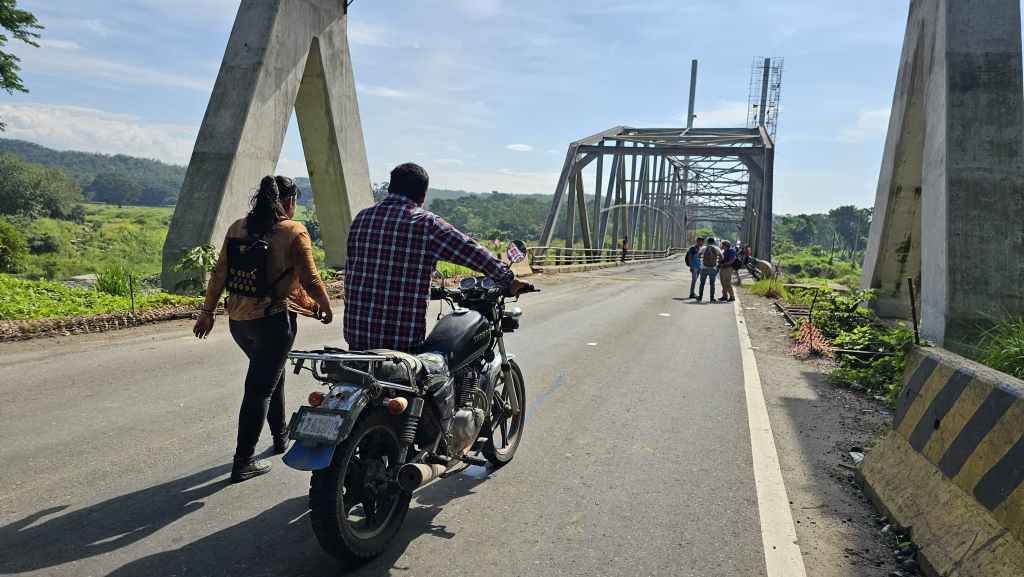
[653, 185]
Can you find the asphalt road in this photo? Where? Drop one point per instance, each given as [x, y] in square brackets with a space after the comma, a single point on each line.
[636, 458]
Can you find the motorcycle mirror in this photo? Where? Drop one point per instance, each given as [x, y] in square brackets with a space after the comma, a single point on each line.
[516, 251]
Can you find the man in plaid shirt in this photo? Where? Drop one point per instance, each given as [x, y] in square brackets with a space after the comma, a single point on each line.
[393, 248]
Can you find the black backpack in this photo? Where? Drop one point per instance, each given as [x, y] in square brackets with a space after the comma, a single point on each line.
[248, 259]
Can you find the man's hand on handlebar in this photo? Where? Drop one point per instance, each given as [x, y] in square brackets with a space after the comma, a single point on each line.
[519, 287]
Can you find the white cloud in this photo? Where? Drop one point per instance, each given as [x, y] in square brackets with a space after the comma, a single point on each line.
[382, 91]
[367, 35]
[729, 114]
[77, 63]
[449, 161]
[91, 130]
[291, 167]
[480, 9]
[520, 147]
[198, 10]
[871, 124]
[59, 44]
[503, 179]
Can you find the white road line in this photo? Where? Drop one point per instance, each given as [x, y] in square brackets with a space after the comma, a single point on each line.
[782, 556]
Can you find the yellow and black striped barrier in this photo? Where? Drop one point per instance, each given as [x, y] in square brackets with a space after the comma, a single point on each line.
[952, 468]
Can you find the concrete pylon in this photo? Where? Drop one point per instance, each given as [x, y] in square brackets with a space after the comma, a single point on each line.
[950, 200]
[283, 55]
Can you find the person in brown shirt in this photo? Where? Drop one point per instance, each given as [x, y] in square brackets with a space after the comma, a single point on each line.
[264, 327]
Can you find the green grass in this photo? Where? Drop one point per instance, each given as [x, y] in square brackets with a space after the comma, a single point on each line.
[811, 265]
[131, 237]
[25, 299]
[449, 269]
[769, 288]
[1002, 347]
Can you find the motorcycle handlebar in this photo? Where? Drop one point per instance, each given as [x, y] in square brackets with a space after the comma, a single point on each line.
[441, 293]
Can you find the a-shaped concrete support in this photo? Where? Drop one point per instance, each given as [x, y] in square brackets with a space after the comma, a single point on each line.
[949, 210]
[283, 55]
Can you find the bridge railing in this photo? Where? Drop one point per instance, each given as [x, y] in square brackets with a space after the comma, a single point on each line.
[542, 256]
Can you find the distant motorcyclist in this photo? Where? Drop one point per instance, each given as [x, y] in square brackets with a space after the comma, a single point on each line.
[393, 248]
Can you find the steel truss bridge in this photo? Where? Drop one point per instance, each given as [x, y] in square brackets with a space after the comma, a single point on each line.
[653, 185]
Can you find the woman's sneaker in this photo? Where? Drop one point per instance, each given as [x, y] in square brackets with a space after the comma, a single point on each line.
[247, 469]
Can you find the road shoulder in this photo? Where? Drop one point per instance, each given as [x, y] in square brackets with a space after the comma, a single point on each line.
[816, 425]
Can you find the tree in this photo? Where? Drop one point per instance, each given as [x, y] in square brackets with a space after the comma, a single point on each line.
[23, 26]
[802, 229]
[851, 224]
[115, 188]
[34, 191]
[13, 247]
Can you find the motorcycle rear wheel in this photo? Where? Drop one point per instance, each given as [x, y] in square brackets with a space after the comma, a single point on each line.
[506, 428]
[354, 511]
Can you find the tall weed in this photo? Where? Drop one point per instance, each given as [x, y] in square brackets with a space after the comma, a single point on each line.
[1002, 347]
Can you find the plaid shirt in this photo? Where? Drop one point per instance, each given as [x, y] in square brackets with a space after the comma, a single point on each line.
[393, 247]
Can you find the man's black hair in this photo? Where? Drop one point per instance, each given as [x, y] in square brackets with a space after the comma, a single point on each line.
[409, 180]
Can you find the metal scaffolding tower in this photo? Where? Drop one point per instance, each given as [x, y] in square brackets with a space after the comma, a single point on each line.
[764, 97]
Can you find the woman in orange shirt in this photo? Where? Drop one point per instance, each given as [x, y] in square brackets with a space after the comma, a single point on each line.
[264, 326]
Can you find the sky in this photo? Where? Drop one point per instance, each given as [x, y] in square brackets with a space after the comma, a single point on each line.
[487, 94]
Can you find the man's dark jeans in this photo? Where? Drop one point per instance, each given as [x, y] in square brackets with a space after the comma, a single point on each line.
[266, 342]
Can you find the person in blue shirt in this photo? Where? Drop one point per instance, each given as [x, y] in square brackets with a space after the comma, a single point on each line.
[693, 262]
[726, 271]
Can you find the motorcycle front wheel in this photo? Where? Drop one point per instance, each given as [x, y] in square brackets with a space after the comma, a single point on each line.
[355, 509]
[505, 426]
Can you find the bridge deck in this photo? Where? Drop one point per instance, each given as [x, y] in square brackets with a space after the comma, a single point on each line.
[636, 460]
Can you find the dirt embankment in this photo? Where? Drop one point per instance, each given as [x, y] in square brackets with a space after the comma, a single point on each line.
[816, 426]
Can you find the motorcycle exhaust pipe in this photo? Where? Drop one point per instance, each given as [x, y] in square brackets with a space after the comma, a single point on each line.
[414, 475]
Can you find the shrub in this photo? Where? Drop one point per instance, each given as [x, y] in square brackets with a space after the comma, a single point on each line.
[44, 243]
[25, 299]
[196, 263]
[1002, 347]
[880, 369]
[13, 247]
[769, 288]
[116, 279]
[836, 313]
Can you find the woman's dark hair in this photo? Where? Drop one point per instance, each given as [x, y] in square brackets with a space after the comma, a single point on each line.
[409, 180]
[268, 203]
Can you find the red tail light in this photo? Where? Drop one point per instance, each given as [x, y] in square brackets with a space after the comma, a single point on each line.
[316, 398]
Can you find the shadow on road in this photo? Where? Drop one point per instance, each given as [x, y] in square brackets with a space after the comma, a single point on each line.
[29, 545]
[278, 541]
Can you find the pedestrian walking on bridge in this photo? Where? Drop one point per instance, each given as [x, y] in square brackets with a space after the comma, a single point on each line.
[266, 264]
[710, 257]
[625, 248]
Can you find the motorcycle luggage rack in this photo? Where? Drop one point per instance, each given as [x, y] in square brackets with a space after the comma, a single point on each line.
[366, 378]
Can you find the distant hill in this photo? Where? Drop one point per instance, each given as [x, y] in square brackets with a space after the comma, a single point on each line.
[121, 179]
[146, 182]
[155, 182]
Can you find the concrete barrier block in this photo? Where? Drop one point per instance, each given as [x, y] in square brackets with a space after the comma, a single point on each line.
[953, 466]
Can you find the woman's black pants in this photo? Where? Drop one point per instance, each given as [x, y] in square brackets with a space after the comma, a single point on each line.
[266, 342]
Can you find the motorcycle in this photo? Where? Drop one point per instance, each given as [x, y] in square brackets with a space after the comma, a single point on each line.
[392, 422]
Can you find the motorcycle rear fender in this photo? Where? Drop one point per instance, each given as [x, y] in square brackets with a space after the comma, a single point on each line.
[350, 399]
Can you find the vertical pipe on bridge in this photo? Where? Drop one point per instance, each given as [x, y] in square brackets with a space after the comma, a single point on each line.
[596, 227]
